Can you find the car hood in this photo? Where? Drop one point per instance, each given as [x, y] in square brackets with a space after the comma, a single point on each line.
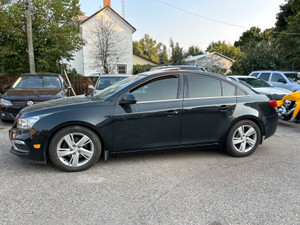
[76, 100]
[32, 94]
[272, 90]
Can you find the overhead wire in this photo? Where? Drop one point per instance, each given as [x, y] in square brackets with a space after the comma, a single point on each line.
[214, 20]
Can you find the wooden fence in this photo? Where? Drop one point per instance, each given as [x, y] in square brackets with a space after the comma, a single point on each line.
[80, 84]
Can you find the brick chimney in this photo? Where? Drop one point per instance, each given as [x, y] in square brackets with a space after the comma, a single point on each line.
[106, 3]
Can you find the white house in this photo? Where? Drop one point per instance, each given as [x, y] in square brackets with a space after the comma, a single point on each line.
[83, 61]
[211, 61]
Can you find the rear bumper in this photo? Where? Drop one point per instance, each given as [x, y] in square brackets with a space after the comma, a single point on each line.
[270, 125]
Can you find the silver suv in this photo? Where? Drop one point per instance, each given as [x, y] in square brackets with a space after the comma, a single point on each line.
[284, 79]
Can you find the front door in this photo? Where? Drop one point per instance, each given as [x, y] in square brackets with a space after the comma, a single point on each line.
[154, 121]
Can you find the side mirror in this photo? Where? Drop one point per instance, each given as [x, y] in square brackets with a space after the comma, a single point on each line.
[282, 81]
[67, 85]
[128, 99]
[6, 86]
[91, 89]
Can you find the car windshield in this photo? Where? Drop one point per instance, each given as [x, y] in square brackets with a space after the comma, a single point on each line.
[37, 82]
[105, 82]
[254, 83]
[292, 76]
[109, 91]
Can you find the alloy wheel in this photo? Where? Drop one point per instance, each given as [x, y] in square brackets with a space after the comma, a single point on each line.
[244, 138]
[75, 149]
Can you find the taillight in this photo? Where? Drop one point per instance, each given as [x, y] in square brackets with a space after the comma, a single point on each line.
[273, 103]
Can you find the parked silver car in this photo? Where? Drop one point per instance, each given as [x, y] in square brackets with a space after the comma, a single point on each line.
[284, 79]
[262, 86]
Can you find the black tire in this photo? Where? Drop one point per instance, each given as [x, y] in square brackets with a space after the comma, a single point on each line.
[80, 148]
[248, 143]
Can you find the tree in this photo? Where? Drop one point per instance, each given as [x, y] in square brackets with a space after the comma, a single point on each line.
[163, 55]
[263, 55]
[193, 50]
[177, 57]
[55, 34]
[282, 17]
[226, 49]
[148, 47]
[253, 34]
[289, 38]
[108, 45]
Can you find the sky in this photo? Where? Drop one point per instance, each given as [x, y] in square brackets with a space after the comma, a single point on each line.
[192, 22]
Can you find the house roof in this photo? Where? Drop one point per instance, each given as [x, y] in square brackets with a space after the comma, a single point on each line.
[81, 18]
[196, 57]
[113, 11]
[145, 58]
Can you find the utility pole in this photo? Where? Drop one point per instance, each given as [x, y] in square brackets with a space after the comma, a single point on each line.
[29, 37]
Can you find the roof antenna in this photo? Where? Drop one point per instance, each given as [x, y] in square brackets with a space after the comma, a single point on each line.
[123, 9]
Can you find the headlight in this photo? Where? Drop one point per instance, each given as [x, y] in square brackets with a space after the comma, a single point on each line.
[27, 123]
[5, 102]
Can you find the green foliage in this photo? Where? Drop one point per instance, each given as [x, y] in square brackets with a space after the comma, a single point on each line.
[177, 57]
[254, 34]
[263, 55]
[55, 34]
[163, 56]
[289, 38]
[148, 47]
[228, 50]
[282, 17]
[193, 50]
[141, 68]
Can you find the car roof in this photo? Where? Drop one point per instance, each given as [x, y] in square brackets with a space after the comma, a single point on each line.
[177, 67]
[242, 76]
[40, 74]
[116, 75]
[282, 71]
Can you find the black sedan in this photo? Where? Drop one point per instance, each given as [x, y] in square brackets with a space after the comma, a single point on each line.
[150, 111]
[29, 89]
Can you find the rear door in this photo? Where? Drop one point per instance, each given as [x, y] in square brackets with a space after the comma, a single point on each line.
[207, 109]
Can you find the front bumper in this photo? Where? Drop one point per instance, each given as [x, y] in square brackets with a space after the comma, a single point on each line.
[23, 142]
[10, 112]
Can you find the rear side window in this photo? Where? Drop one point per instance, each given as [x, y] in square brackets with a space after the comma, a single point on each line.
[265, 76]
[239, 92]
[203, 86]
[276, 77]
[254, 74]
[228, 89]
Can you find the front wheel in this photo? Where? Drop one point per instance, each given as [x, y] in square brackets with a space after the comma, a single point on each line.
[243, 138]
[74, 148]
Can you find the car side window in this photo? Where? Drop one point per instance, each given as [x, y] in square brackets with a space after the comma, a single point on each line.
[254, 74]
[163, 88]
[203, 86]
[265, 76]
[228, 89]
[276, 77]
[239, 92]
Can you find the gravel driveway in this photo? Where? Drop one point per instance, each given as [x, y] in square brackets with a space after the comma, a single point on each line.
[181, 187]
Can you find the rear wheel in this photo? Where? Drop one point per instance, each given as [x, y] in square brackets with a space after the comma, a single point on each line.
[74, 148]
[243, 138]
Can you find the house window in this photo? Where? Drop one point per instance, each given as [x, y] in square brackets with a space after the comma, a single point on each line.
[122, 68]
